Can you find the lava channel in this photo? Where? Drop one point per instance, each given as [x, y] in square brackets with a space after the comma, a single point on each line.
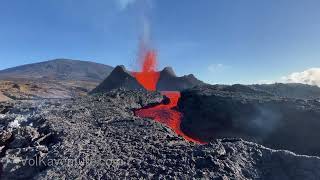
[168, 115]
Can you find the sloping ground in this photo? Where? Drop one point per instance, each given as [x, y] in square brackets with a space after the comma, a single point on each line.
[119, 78]
[3, 97]
[212, 112]
[35, 89]
[58, 69]
[98, 137]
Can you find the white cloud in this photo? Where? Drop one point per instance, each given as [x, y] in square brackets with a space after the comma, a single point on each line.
[310, 76]
[217, 67]
[123, 4]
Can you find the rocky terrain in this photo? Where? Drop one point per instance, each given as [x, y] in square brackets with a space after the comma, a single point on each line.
[59, 78]
[51, 129]
[3, 97]
[39, 89]
[277, 122]
[98, 137]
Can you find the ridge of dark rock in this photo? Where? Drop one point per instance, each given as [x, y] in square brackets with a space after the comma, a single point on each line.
[168, 71]
[290, 90]
[168, 81]
[119, 78]
[212, 112]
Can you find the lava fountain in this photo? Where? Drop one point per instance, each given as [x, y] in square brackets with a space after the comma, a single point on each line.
[167, 114]
[148, 77]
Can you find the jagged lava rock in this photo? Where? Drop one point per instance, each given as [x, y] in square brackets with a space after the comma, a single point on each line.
[106, 141]
[215, 111]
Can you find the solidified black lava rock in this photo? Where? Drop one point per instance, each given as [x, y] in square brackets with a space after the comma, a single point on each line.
[212, 112]
[119, 78]
[168, 81]
[98, 137]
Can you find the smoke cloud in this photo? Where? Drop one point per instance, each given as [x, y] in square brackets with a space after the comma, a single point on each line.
[310, 76]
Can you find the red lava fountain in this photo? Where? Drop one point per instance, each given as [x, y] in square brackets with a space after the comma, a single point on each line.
[148, 77]
[163, 113]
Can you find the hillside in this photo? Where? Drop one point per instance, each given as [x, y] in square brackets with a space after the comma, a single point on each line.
[291, 90]
[59, 69]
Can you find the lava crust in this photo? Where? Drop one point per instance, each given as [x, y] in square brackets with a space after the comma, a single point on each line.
[212, 112]
[102, 132]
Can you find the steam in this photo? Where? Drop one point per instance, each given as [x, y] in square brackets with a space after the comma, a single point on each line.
[310, 76]
[145, 46]
[265, 121]
[143, 14]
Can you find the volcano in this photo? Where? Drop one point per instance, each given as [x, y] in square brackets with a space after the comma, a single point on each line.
[149, 79]
[169, 81]
[119, 78]
[165, 80]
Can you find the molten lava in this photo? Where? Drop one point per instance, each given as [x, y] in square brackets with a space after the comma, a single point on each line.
[167, 114]
[163, 113]
[148, 77]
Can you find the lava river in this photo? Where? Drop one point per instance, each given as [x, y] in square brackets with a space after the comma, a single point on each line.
[167, 114]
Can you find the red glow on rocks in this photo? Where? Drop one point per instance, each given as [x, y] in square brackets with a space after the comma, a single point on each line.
[148, 77]
[167, 114]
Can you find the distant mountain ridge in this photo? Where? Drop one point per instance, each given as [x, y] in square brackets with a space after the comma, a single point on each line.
[59, 69]
[291, 90]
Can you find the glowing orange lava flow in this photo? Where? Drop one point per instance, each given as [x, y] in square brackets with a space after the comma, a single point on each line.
[148, 77]
[163, 113]
[167, 114]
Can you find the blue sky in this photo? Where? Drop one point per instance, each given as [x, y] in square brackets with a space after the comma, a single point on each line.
[220, 41]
